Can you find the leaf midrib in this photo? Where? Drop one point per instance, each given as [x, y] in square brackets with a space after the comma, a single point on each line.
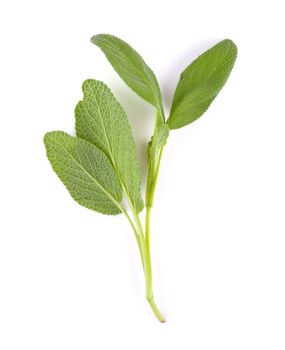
[109, 149]
[89, 175]
[149, 73]
[186, 95]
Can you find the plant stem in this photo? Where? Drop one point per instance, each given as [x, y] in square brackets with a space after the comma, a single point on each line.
[152, 176]
[156, 311]
[147, 227]
[150, 197]
[146, 262]
[137, 235]
[148, 286]
[143, 238]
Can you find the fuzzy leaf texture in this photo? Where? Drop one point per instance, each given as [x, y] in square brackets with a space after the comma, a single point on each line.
[200, 83]
[101, 120]
[131, 68]
[85, 171]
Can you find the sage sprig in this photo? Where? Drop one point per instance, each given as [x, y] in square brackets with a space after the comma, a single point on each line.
[99, 166]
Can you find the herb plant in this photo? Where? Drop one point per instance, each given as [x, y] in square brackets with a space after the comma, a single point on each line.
[99, 166]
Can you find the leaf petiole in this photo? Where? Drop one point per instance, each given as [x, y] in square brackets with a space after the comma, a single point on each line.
[144, 248]
[99, 166]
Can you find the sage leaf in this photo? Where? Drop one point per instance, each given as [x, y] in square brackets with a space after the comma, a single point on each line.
[85, 171]
[200, 83]
[131, 68]
[101, 120]
[158, 140]
[100, 165]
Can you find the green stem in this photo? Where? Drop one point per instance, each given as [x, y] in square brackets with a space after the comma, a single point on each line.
[147, 227]
[156, 311]
[148, 286]
[153, 171]
[143, 239]
[146, 262]
[150, 197]
[134, 230]
[148, 277]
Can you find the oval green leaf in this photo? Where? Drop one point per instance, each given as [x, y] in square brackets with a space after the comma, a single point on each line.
[85, 171]
[101, 120]
[131, 68]
[200, 83]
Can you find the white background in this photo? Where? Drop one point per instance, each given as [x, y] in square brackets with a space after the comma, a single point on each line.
[71, 278]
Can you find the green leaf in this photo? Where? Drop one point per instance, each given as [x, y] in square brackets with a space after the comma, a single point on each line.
[155, 148]
[158, 140]
[200, 83]
[85, 171]
[101, 120]
[131, 68]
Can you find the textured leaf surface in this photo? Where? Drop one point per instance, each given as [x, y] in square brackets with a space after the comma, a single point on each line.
[200, 83]
[131, 68]
[101, 120]
[85, 171]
